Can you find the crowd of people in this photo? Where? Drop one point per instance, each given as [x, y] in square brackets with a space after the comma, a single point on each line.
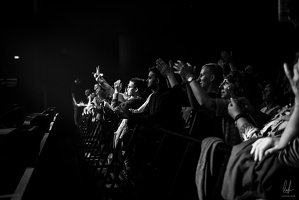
[259, 120]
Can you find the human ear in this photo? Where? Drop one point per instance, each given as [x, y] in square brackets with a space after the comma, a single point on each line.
[212, 77]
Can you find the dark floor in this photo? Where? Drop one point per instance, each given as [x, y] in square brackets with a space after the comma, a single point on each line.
[58, 173]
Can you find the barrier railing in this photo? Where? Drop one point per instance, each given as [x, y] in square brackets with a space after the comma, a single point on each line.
[26, 143]
[167, 170]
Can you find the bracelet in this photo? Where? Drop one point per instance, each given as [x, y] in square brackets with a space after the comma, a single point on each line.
[239, 116]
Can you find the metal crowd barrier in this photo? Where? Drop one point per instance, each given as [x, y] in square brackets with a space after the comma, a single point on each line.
[21, 147]
[168, 170]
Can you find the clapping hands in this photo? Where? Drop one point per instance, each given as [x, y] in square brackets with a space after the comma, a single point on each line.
[183, 69]
[227, 57]
[117, 86]
[164, 68]
[179, 67]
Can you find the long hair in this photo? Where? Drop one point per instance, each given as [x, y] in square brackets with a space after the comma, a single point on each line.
[246, 87]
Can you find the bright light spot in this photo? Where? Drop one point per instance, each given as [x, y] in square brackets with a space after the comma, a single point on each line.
[16, 57]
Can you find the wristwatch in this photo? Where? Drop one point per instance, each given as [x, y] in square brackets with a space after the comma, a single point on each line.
[190, 78]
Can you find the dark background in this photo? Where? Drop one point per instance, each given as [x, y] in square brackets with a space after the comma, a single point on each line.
[58, 41]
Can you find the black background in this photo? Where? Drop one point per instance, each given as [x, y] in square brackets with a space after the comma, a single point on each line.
[58, 41]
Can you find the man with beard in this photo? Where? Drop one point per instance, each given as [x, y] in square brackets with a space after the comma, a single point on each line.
[163, 110]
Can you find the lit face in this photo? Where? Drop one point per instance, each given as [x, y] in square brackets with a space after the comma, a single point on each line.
[95, 87]
[87, 92]
[205, 77]
[151, 80]
[227, 89]
[131, 90]
[97, 91]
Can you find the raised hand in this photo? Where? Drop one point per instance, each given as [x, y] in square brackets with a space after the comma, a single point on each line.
[117, 86]
[98, 71]
[183, 69]
[233, 108]
[270, 145]
[98, 76]
[164, 68]
[226, 56]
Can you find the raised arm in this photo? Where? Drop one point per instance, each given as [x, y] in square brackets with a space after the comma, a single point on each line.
[99, 77]
[270, 145]
[202, 97]
[167, 71]
[292, 129]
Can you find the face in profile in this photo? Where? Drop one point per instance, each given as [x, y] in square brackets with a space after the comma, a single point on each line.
[131, 89]
[268, 92]
[204, 78]
[95, 87]
[227, 89]
[151, 80]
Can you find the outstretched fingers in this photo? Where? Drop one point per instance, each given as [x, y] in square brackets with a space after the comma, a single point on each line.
[162, 66]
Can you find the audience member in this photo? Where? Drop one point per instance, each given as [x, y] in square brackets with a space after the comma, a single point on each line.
[163, 110]
[136, 91]
[255, 164]
[234, 84]
[210, 77]
[270, 99]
